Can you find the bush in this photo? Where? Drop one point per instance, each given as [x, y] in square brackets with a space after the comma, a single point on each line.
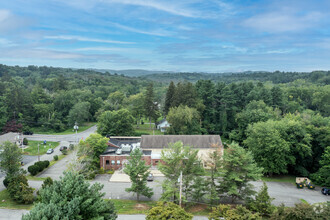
[33, 169]
[46, 163]
[6, 182]
[110, 171]
[47, 182]
[20, 191]
[64, 152]
[55, 157]
[168, 210]
[101, 170]
[25, 141]
[40, 165]
[229, 213]
[71, 147]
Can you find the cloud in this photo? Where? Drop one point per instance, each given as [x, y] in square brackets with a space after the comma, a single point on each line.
[158, 32]
[10, 22]
[166, 6]
[79, 38]
[283, 21]
[6, 43]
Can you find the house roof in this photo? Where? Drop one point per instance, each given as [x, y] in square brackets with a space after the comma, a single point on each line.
[8, 137]
[195, 141]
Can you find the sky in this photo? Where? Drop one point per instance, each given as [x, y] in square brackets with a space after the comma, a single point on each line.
[170, 35]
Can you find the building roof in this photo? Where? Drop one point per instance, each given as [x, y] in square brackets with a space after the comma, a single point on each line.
[8, 137]
[195, 141]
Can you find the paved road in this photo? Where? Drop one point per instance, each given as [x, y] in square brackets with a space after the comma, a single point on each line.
[67, 137]
[6, 214]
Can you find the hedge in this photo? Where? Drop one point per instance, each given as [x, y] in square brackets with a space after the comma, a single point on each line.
[38, 167]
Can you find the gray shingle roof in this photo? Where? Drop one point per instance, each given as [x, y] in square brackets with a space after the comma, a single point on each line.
[195, 141]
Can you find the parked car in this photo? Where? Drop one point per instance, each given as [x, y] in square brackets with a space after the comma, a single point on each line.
[50, 150]
[28, 133]
[63, 148]
[150, 177]
[326, 191]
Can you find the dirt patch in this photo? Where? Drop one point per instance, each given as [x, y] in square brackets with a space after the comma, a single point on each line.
[197, 208]
[141, 207]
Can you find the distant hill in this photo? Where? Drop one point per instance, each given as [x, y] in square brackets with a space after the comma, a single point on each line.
[132, 72]
[262, 76]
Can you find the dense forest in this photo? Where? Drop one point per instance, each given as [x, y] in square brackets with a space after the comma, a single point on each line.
[281, 117]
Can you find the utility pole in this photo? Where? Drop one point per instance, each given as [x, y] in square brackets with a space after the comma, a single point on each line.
[180, 179]
[38, 153]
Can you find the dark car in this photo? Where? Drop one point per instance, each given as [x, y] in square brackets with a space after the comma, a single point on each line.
[150, 177]
[63, 148]
[326, 191]
[28, 133]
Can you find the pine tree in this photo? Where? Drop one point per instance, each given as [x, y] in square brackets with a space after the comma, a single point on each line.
[169, 98]
[138, 173]
[263, 202]
[150, 106]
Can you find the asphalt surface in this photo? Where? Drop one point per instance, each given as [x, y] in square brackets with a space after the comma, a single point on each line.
[10, 214]
[68, 137]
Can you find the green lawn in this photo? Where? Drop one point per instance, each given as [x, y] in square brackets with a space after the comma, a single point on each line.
[33, 147]
[280, 178]
[82, 128]
[7, 203]
[29, 177]
[130, 207]
[145, 129]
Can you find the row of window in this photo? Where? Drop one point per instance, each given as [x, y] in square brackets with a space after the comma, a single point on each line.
[113, 162]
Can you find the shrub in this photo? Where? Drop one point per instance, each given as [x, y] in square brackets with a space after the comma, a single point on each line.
[40, 165]
[25, 141]
[228, 213]
[110, 171]
[64, 152]
[6, 182]
[46, 163]
[33, 169]
[101, 170]
[71, 147]
[19, 190]
[55, 157]
[47, 182]
[262, 202]
[168, 210]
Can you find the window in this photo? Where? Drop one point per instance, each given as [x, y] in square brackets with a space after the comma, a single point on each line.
[118, 162]
[156, 162]
[107, 162]
[113, 162]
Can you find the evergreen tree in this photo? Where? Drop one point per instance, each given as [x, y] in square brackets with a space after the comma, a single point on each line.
[150, 106]
[72, 198]
[138, 172]
[169, 98]
[262, 202]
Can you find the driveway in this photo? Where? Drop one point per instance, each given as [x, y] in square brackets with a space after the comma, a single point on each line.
[68, 137]
[58, 168]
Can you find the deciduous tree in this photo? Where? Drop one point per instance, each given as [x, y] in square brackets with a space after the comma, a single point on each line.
[138, 172]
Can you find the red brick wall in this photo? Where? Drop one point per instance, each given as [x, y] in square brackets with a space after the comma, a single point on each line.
[115, 158]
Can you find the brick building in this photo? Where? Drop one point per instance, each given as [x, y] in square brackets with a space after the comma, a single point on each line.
[119, 148]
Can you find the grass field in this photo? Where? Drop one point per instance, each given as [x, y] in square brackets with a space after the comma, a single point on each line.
[8, 203]
[280, 178]
[145, 129]
[33, 147]
[130, 207]
[82, 128]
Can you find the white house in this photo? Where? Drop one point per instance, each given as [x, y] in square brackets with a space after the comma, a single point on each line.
[163, 125]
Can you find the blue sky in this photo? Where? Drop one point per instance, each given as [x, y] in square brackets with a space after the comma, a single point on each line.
[194, 35]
